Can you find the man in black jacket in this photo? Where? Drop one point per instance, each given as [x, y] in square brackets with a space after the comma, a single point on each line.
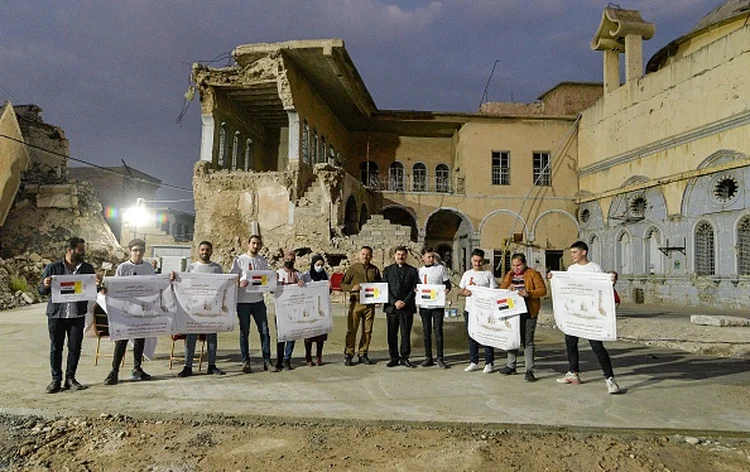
[402, 281]
[66, 319]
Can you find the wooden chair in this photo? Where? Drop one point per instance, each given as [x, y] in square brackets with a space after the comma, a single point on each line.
[101, 329]
[183, 337]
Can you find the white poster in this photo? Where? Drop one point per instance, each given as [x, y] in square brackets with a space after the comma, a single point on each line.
[303, 312]
[73, 288]
[259, 281]
[493, 319]
[584, 305]
[371, 293]
[206, 303]
[430, 295]
[140, 306]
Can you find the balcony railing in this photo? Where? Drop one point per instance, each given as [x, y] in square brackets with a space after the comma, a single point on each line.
[408, 183]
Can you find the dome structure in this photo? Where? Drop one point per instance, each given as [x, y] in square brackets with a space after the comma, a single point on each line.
[723, 20]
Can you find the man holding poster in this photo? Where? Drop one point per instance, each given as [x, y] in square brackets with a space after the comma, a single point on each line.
[204, 265]
[66, 319]
[402, 279]
[134, 266]
[579, 254]
[252, 304]
[358, 273]
[529, 284]
[433, 274]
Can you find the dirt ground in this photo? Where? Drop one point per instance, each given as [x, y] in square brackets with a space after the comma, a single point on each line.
[218, 443]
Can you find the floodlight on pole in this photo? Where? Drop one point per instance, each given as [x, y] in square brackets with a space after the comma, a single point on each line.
[137, 216]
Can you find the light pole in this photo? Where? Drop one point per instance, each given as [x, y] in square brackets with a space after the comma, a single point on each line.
[136, 216]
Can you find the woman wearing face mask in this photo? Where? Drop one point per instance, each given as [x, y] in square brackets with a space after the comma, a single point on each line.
[317, 272]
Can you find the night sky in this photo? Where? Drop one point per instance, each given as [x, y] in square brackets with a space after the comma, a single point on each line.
[112, 74]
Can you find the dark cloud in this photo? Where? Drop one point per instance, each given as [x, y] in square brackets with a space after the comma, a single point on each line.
[112, 74]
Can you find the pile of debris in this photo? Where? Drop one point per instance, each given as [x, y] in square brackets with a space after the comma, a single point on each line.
[19, 279]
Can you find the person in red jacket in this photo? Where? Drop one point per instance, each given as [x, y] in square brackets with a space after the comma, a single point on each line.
[530, 285]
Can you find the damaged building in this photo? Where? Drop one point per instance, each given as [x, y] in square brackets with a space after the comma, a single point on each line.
[294, 147]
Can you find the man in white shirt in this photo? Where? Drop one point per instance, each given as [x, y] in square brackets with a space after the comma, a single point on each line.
[252, 304]
[134, 266]
[287, 275]
[479, 278]
[579, 254]
[432, 318]
[204, 265]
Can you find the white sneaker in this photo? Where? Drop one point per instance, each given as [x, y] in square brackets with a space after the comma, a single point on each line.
[612, 386]
[487, 368]
[570, 378]
[471, 367]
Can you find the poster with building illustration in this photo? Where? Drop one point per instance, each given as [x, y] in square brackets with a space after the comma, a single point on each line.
[584, 305]
[430, 295]
[302, 312]
[373, 292]
[139, 306]
[259, 281]
[494, 317]
[73, 288]
[206, 303]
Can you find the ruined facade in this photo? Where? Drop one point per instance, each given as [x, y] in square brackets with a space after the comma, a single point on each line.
[294, 147]
[665, 161]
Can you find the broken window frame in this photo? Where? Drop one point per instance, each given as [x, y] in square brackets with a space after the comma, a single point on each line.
[542, 175]
[221, 156]
[249, 151]
[235, 149]
[442, 178]
[305, 142]
[743, 245]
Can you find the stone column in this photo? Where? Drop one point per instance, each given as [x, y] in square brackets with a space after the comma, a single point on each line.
[207, 137]
[611, 70]
[633, 57]
[293, 155]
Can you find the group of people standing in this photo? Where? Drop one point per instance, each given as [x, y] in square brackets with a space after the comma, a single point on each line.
[68, 319]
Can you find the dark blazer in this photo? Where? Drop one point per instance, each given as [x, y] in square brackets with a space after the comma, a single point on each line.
[54, 310]
[401, 289]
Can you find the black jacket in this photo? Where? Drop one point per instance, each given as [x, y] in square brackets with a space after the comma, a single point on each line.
[401, 289]
[55, 310]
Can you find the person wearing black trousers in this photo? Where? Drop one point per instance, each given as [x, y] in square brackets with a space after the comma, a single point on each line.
[402, 280]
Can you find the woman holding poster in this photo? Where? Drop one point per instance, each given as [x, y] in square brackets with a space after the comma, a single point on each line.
[317, 273]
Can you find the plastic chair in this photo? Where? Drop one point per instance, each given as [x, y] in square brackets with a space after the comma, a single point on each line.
[336, 279]
[183, 337]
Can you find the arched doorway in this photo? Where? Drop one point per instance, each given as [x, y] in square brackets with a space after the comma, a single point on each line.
[364, 215]
[399, 215]
[351, 217]
[451, 228]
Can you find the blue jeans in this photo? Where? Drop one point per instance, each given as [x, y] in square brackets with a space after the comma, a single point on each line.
[260, 315]
[190, 341]
[489, 351]
[285, 350]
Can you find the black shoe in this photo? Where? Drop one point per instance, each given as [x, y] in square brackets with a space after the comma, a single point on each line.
[287, 365]
[363, 359]
[266, 365]
[54, 386]
[529, 377]
[186, 372]
[112, 378]
[427, 362]
[407, 363]
[72, 384]
[213, 370]
[441, 364]
[507, 370]
[279, 367]
[348, 361]
[247, 368]
[139, 374]
[392, 363]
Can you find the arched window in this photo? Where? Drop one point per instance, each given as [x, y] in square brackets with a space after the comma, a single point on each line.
[331, 155]
[419, 177]
[322, 152]
[235, 149]
[653, 256]
[442, 178]
[705, 250]
[314, 146]
[396, 177]
[595, 248]
[222, 144]
[305, 142]
[624, 253]
[368, 173]
[249, 150]
[743, 246]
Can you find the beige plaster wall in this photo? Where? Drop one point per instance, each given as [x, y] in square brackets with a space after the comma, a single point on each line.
[13, 160]
[710, 87]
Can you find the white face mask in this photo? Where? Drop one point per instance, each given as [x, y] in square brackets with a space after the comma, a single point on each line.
[318, 268]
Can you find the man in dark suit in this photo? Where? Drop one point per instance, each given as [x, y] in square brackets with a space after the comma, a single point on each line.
[402, 280]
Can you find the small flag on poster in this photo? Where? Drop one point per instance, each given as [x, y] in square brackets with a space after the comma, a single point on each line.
[71, 287]
[258, 280]
[505, 304]
[431, 295]
[371, 293]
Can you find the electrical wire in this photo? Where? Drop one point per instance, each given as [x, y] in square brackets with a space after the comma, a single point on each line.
[91, 164]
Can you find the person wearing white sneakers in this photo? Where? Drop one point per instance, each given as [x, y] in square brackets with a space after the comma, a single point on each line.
[479, 278]
[579, 254]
